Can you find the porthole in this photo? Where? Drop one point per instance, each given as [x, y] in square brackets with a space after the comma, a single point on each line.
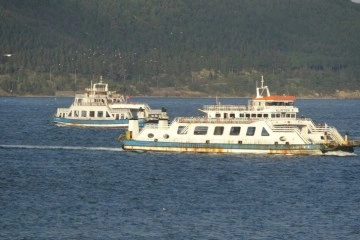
[150, 135]
[166, 136]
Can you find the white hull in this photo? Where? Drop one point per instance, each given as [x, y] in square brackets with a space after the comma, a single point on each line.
[289, 139]
[223, 150]
[102, 125]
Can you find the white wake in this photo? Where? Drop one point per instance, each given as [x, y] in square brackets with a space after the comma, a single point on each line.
[340, 154]
[62, 147]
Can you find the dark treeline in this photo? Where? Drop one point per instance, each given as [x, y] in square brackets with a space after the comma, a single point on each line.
[305, 47]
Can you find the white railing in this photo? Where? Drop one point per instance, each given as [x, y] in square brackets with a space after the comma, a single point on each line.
[324, 128]
[212, 120]
[119, 111]
[224, 107]
[293, 129]
[89, 104]
[63, 110]
[335, 134]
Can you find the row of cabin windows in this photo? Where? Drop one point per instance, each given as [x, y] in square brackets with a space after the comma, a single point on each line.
[279, 104]
[154, 115]
[219, 130]
[259, 115]
[99, 114]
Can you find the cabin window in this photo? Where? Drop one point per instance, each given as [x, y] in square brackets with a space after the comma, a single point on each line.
[122, 116]
[250, 131]
[273, 115]
[182, 130]
[266, 115]
[166, 136]
[92, 113]
[150, 135]
[232, 115]
[253, 115]
[107, 114]
[76, 113]
[264, 132]
[218, 130]
[234, 131]
[259, 115]
[242, 115]
[83, 113]
[70, 114]
[100, 114]
[278, 115]
[200, 130]
[293, 115]
[217, 115]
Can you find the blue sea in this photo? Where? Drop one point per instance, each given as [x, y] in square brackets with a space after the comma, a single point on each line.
[77, 183]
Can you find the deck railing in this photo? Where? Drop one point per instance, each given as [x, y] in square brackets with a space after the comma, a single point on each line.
[224, 107]
[291, 128]
[211, 120]
[89, 104]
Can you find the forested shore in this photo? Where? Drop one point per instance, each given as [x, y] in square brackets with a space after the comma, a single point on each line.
[308, 48]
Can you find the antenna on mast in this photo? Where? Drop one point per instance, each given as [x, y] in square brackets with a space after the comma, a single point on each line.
[260, 90]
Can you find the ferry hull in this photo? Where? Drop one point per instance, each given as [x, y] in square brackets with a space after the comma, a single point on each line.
[311, 149]
[100, 107]
[267, 125]
[121, 123]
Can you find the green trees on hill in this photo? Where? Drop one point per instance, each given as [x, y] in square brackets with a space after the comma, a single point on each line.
[218, 47]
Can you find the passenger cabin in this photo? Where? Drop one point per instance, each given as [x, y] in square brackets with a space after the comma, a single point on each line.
[262, 106]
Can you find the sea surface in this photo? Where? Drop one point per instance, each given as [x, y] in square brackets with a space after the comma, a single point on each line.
[77, 183]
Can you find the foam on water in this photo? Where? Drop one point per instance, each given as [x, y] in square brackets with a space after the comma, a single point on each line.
[340, 154]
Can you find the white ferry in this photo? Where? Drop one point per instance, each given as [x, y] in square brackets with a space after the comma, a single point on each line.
[267, 125]
[100, 107]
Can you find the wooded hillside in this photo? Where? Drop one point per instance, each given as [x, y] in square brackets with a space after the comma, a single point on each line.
[303, 47]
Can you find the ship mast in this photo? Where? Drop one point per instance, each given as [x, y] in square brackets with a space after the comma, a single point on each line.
[260, 90]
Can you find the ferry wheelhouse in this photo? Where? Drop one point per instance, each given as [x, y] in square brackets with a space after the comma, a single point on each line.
[100, 107]
[268, 124]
